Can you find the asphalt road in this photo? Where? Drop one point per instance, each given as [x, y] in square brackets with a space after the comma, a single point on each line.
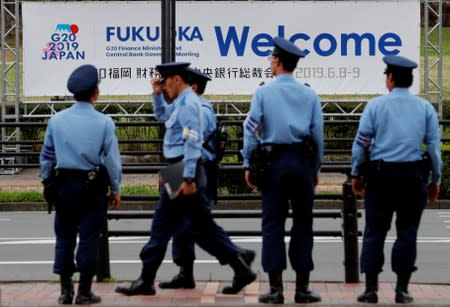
[27, 248]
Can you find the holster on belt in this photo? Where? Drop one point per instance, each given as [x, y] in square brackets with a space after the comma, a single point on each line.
[98, 180]
[426, 165]
[259, 162]
[50, 190]
[309, 148]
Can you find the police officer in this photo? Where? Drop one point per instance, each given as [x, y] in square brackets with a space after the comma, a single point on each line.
[81, 146]
[396, 180]
[183, 142]
[284, 115]
[183, 251]
[198, 81]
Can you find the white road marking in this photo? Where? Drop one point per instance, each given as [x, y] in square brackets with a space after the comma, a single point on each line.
[143, 240]
[111, 261]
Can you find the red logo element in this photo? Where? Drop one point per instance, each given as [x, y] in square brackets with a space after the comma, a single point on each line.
[74, 28]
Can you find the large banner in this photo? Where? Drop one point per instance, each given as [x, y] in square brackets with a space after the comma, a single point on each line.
[345, 42]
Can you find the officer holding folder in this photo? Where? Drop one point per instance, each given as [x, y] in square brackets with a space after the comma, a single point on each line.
[183, 246]
[183, 142]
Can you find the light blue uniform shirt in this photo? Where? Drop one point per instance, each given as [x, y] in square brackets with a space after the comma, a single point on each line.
[283, 111]
[394, 127]
[81, 138]
[209, 127]
[183, 136]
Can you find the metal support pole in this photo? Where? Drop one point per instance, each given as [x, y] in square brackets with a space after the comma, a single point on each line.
[350, 236]
[168, 31]
[103, 267]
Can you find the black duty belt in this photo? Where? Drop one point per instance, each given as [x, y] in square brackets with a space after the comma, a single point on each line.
[397, 165]
[278, 148]
[174, 160]
[76, 173]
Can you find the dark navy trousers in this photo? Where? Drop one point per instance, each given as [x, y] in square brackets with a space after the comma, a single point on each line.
[169, 216]
[399, 191]
[183, 247]
[82, 213]
[290, 177]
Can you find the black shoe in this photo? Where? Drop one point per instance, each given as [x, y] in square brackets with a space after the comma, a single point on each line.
[178, 282]
[248, 256]
[65, 299]
[274, 296]
[66, 296]
[369, 296]
[87, 299]
[137, 287]
[305, 295]
[403, 297]
[239, 282]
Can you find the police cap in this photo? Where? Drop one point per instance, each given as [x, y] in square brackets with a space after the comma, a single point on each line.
[170, 69]
[286, 48]
[396, 62]
[83, 79]
[196, 76]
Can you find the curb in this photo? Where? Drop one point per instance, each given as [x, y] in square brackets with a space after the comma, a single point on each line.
[221, 205]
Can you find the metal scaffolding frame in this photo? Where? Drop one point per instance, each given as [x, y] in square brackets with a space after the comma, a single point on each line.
[10, 47]
[432, 85]
[15, 108]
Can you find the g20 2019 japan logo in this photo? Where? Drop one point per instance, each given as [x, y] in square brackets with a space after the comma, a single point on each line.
[63, 44]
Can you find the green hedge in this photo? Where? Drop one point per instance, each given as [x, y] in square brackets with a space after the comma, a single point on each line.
[445, 184]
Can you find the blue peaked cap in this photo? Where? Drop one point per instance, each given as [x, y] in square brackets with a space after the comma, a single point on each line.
[283, 46]
[171, 68]
[198, 75]
[82, 79]
[397, 61]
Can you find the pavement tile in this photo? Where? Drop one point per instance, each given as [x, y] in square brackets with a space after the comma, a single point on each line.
[208, 293]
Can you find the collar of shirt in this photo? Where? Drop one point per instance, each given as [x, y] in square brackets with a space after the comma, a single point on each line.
[183, 94]
[285, 76]
[83, 105]
[399, 91]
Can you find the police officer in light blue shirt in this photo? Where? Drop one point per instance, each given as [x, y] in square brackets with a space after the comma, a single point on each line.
[183, 251]
[284, 116]
[183, 142]
[81, 144]
[198, 81]
[164, 109]
[389, 169]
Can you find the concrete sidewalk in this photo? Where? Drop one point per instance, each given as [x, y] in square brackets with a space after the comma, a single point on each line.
[28, 180]
[208, 293]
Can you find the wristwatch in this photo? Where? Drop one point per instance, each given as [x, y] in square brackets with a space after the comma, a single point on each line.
[188, 180]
